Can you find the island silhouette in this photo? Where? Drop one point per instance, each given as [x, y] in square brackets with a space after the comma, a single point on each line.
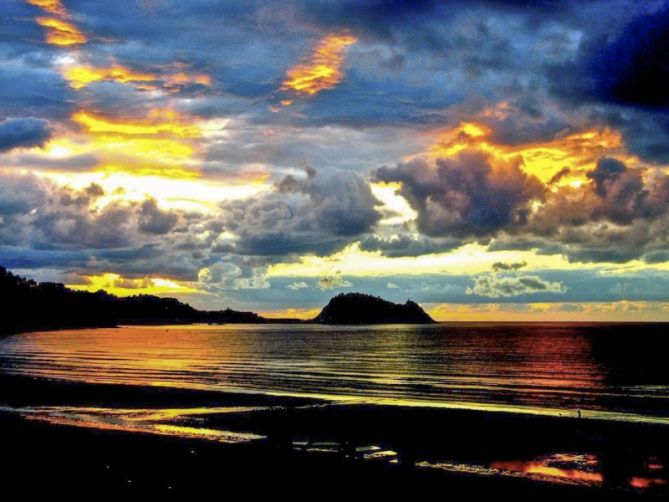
[29, 306]
[359, 308]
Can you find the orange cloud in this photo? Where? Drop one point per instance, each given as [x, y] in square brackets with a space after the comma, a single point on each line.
[323, 68]
[50, 6]
[577, 152]
[59, 32]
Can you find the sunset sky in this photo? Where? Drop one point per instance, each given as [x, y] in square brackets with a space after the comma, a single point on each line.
[488, 159]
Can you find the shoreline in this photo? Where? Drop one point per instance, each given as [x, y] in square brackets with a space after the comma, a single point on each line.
[418, 436]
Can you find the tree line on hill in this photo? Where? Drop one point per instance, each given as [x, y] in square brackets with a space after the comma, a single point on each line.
[30, 306]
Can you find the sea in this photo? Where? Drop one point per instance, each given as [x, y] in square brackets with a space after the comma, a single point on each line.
[618, 371]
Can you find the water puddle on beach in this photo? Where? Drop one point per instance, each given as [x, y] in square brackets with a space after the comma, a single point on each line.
[580, 469]
[584, 469]
[351, 452]
[179, 422]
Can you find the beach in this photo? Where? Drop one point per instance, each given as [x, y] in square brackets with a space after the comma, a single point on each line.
[303, 448]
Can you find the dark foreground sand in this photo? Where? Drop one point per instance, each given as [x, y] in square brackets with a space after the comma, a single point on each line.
[46, 459]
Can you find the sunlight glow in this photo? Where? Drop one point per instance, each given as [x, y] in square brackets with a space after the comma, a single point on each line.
[468, 259]
[394, 207]
[203, 196]
[121, 286]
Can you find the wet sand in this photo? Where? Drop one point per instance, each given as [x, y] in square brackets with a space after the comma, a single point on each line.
[304, 449]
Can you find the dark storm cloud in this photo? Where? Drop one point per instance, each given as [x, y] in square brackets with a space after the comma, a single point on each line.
[153, 220]
[646, 133]
[632, 67]
[465, 196]
[384, 18]
[319, 212]
[620, 73]
[23, 133]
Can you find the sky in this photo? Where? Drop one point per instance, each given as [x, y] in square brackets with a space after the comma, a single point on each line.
[488, 159]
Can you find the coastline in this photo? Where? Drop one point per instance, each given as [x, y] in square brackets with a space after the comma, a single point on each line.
[419, 437]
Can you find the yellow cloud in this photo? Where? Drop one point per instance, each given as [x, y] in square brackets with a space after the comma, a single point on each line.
[162, 144]
[120, 286]
[323, 69]
[81, 76]
[59, 32]
[159, 122]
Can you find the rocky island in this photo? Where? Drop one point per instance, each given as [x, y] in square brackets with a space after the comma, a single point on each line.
[358, 308]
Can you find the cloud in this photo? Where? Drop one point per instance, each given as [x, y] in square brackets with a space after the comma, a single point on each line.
[153, 220]
[629, 67]
[297, 285]
[494, 286]
[60, 32]
[230, 276]
[465, 195]
[333, 282]
[500, 266]
[37, 213]
[323, 70]
[23, 133]
[618, 214]
[321, 211]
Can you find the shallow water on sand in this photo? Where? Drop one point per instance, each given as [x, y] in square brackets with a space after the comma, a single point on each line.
[614, 371]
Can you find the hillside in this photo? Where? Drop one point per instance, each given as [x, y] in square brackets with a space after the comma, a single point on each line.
[357, 308]
[28, 306]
